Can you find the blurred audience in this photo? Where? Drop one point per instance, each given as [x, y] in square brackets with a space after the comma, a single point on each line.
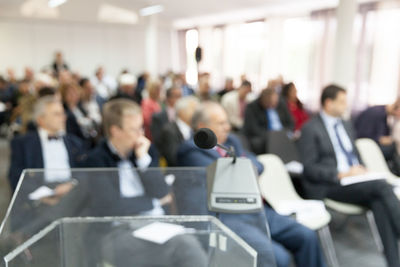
[265, 114]
[285, 232]
[235, 103]
[168, 113]
[58, 63]
[47, 147]
[151, 105]
[227, 88]
[105, 85]
[176, 132]
[374, 123]
[330, 155]
[289, 96]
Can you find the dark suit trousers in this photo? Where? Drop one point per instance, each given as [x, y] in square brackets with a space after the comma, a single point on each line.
[379, 197]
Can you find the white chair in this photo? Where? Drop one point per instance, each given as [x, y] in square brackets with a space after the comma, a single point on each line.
[373, 158]
[277, 188]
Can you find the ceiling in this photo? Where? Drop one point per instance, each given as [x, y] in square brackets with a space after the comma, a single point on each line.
[176, 11]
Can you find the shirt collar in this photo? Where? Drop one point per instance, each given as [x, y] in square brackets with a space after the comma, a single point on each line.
[328, 119]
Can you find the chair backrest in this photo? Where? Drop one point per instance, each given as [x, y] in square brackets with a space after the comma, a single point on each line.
[371, 155]
[279, 144]
[275, 183]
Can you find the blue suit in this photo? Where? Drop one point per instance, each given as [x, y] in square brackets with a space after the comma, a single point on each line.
[286, 234]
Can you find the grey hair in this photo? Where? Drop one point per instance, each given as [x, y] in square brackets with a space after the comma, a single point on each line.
[41, 104]
[203, 112]
[184, 103]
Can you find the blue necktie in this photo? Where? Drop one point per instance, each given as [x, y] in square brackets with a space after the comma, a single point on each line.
[351, 158]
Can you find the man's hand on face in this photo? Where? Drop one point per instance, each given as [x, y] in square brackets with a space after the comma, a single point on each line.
[142, 146]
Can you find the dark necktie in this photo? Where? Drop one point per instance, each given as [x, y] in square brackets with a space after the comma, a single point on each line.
[350, 156]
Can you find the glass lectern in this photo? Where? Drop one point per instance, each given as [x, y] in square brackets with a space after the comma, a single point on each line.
[90, 217]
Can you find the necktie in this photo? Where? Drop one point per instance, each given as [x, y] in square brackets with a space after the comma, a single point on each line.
[351, 158]
[221, 152]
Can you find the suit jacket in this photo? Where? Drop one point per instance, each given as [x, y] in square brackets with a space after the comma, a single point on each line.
[319, 158]
[168, 143]
[191, 190]
[158, 121]
[372, 123]
[190, 155]
[26, 153]
[105, 193]
[256, 121]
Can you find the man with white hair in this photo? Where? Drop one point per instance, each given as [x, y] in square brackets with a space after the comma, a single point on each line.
[176, 132]
[48, 147]
[127, 88]
[105, 85]
[286, 233]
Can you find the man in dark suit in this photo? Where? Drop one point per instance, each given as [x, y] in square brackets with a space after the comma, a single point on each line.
[125, 148]
[265, 114]
[50, 149]
[125, 191]
[174, 133]
[373, 123]
[168, 113]
[47, 147]
[286, 233]
[329, 155]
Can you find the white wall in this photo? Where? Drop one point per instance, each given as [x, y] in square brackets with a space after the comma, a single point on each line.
[85, 46]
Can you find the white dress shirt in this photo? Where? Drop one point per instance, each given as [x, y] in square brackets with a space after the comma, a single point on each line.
[55, 158]
[130, 184]
[185, 129]
[329, 122]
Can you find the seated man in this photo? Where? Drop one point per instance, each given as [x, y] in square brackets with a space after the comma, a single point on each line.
[48, 147]
[286, 233]
[168, 113]
[125, 148]
[130, 192]
[329, 155]
[235, 103]
[373, 123]
[265, 114]
[174, 133]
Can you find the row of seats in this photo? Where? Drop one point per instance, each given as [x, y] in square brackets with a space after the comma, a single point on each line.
[276, 187]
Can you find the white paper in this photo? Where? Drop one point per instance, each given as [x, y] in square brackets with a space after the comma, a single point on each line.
[41, 192]
[294, 167]
[159, 232]
[370, 176]
[300, 206]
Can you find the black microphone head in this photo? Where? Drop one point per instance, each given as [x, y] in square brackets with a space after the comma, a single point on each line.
[205, 138]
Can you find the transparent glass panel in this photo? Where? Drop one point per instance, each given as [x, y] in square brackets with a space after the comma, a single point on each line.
[87, 219]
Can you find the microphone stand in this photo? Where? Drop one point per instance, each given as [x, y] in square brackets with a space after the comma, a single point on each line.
[230, 151]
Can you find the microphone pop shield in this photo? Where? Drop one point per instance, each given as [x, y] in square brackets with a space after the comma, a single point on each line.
[205, 138]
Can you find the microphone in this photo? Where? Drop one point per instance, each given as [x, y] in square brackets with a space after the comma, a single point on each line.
[206, 139]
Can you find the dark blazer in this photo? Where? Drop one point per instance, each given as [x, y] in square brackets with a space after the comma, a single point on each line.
[105, 194]
[319, 158]
[158, 121]
[191, 191]
[372, 123]
[168, 143]
[256, 122]
[26, 153]
[190, 155]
